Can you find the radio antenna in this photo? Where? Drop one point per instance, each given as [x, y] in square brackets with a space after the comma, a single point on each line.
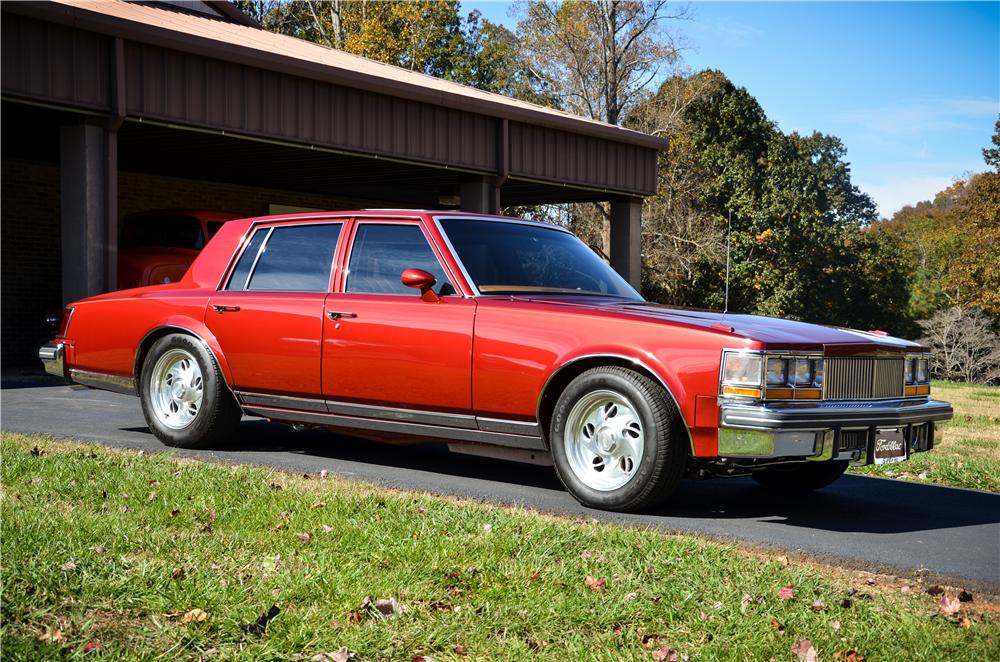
[729, 232]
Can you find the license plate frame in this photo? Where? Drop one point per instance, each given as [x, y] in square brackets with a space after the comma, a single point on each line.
[889, 446]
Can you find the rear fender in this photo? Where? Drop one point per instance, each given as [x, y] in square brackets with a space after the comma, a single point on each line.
[190, 326]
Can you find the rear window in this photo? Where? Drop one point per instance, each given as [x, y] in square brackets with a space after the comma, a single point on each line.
[162, 231]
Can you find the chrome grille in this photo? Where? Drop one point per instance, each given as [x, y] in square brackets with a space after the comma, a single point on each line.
[864, 378]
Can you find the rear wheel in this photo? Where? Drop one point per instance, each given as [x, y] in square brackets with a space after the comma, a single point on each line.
[185, 399]
[800, 477]
[617, 440]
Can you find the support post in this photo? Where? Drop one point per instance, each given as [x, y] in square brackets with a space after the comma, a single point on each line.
[475, 196]
[626, 256]
[89, 209]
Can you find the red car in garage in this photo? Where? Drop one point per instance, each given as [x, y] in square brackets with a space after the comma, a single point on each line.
[501, 337]
[158, 246]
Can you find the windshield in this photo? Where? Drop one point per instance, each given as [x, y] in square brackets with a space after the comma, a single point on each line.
[517, 258]
[162, 231]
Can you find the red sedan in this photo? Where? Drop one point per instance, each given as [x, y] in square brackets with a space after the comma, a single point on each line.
[503, 337]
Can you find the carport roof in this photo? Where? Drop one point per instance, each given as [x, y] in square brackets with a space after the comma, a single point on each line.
[205, 35]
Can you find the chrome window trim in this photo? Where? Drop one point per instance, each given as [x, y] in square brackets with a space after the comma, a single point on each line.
[376, 220]
[69, 320]
[256, 259]
[514, 221]
[333, 261]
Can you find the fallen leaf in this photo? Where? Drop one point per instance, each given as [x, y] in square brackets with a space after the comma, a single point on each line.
[276, 487]
[586, 554]
[458, 648]
[92, 646]
[324, 473]
[195, 616]
[319, 504]
[777, 626]
[305, 536]
[803, 648]
[595, 584]
[717, 605]
[421, 658]
[534, 576]
[818, 605]
[383, 607]
[152, 496]
[964, 622]
[647, 640]
[52, 636]
[854, 656]
[339, 655]
[421, 510]
[948, 605]
[870, 581]
[665, 653]
[258, 626]
[783, 559]
[536, 644]
[454, 590]
[175, 513]
[283, 516]
[178, 574]
[100, 550]
[935, 590]
[487, 527]
[904, 589]
[327, 528]
[786, 592]
[835, 625]
[208, 525]
[631, 596]
[69, 566]
[846, 603]
[965, 596]
[37, 452]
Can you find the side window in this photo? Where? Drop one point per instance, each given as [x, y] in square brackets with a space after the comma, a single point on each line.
[382, 252]
[238, 279]
[295, 258]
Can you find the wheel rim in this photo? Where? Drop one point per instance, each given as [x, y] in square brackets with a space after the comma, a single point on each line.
[604, 440]
[175, 388]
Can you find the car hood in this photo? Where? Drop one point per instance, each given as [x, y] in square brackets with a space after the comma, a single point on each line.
[773, 332]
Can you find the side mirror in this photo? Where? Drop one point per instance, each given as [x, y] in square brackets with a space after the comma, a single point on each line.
[423, 281]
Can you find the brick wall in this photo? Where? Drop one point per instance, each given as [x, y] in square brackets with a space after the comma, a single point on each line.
[30, 244]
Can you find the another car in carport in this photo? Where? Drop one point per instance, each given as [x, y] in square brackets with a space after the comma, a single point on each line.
[502, 337]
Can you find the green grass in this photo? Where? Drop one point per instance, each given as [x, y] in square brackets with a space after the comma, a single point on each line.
[501, 583]
[968, 454]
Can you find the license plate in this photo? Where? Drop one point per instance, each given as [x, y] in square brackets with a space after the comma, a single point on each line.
[889, 447]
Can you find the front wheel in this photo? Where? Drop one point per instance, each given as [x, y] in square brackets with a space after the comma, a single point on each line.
[800, 477]
[184, 396]
[617, 440]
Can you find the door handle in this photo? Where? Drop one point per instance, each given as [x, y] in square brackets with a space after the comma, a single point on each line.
[334, 315]
[225, 309]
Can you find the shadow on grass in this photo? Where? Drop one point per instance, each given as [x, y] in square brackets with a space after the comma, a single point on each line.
[854, 504]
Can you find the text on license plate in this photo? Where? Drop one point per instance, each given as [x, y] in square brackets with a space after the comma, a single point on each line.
[889, 447]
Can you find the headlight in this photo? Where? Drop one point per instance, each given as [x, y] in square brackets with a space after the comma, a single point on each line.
[803, 374]
[921, 371]
[777, 372]
[742, 369]
[909, 370]
[818, 372]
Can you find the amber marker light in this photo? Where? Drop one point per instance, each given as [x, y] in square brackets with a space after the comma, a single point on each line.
[740, 390]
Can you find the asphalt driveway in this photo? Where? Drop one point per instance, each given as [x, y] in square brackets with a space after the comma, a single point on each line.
[908, 528]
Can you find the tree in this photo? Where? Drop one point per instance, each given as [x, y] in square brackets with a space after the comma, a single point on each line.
[964, 346]
[598, 56]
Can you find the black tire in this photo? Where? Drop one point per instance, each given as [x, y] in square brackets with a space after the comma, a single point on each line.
[800, 477]
[665, 448]
[219, 413]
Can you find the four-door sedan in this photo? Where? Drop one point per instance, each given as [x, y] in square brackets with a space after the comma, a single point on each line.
[502, 337]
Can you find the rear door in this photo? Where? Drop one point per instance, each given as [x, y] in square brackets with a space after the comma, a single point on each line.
[383, 345]
[268, 317]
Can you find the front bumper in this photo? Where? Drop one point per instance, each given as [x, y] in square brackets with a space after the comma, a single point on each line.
[53, 356]
[825, 431]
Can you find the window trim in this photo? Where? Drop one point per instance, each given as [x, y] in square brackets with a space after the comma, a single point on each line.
[358, 222]
[269, 229]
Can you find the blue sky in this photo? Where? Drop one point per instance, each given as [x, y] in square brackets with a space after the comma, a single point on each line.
[913, 89]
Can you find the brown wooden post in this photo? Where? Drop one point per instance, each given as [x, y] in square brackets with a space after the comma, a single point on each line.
[626, 256]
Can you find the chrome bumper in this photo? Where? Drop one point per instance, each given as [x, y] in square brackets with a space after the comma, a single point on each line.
[824, 431]
[53, 356]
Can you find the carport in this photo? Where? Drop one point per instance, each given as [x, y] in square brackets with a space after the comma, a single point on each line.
[114, 107]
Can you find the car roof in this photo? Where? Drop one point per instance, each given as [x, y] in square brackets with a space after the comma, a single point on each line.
[428, 214]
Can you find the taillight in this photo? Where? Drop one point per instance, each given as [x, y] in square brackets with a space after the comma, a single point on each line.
[67, 315]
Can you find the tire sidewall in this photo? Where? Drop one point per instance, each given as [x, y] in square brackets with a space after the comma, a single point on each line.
[204, 422]
[635, 487]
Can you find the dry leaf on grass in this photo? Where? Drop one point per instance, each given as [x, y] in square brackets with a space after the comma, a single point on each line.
[786, 592]
[965, 596]
[665, 653]
[305, 536]
[53, 636]
[964, 622]
[803, 648]
[595, 584]
[69, 566]
[196, 616]
[948, 605]
[339, 655]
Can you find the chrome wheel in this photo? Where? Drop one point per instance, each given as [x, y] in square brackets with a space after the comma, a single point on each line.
[604, 440]
[175, 389]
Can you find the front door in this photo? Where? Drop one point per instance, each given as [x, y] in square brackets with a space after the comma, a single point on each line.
[384, 346]
[269, 317]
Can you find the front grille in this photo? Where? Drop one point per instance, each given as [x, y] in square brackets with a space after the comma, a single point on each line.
[853, 440]
[863, 378]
